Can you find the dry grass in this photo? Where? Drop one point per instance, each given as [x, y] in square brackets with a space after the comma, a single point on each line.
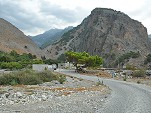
[103, 74]
[98, 73]
[61, 90]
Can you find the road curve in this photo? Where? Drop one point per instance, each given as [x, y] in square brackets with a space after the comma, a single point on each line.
[125, 97]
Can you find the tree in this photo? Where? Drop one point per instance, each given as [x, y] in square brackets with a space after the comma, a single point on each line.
[83, 58]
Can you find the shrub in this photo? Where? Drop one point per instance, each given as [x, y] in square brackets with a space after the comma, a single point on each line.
[130, 67]
[99, 83]
[124, 79]
[47, 76]
[138, 82]
[148, 59]
[138, 73]
[127, 56]
[62, 79]
[29, 77]
[11, 65]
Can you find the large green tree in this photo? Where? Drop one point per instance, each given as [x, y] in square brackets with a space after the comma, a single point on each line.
[83, 58]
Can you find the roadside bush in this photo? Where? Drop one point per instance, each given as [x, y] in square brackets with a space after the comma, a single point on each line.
[29, 77]
[61, 79]
[47, 76]
[124, 79]
[130, 67]
[138, 73]
[138, 82]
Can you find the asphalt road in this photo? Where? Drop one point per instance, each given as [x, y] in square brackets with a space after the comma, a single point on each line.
[125, 97]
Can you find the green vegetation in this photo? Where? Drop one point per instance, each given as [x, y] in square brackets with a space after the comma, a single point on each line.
[99, 83]
[148, 59]
[13, 60]
[11, 65]
[130, 67]
[50, 61]
[125, 57]
[84, 59]
[139, 73]
[61, 79]
[29, 77]
[138, 82]
[124, 79]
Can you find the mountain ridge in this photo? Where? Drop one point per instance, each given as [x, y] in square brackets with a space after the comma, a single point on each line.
[107, 33]
[45, 39]
[14, 39]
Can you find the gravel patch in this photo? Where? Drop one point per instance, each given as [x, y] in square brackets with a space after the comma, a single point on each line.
[74, 96]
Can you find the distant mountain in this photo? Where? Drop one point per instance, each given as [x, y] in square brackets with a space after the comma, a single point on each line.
[48, 37]
[11, 38]
[56, 37]
[107, 33]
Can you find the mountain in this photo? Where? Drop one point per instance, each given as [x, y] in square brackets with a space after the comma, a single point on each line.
[107, 33]
[149, 36]
[56, 37]
[48, 37]
[11, 38]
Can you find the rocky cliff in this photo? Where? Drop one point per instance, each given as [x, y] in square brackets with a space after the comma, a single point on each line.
[149, 36]
[107, 33]
[11, 38]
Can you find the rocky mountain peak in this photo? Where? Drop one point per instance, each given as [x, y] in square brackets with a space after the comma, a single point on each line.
[107, 33]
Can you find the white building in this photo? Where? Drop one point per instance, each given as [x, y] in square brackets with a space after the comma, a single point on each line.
[42, 67]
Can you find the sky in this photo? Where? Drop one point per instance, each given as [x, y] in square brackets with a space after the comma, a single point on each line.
[36, 16]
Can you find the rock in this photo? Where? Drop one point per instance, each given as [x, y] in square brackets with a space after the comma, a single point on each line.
[19, 94]
[7, 95]
[11, 102]
[44, 97]
[102, 100]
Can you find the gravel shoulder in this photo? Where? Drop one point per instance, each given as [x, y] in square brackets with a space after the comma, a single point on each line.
[74, 96]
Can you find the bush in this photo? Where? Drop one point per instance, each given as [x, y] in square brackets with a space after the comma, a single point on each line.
[138, 73]
[99, 83]
[29, 77]
[148, 59]
[10, 65]
[130, 67]
[47, 76]
[124, 79]
[62, 79]
[127, 56]
[138, 82]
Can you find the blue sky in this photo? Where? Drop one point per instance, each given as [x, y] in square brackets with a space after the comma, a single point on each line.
[36, 16]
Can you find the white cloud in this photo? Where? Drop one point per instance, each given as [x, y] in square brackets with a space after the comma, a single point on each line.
[36, 16]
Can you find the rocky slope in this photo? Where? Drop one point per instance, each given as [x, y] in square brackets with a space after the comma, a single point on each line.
[107, 33]
[11, 38]
[48, 37]
[149, 36]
